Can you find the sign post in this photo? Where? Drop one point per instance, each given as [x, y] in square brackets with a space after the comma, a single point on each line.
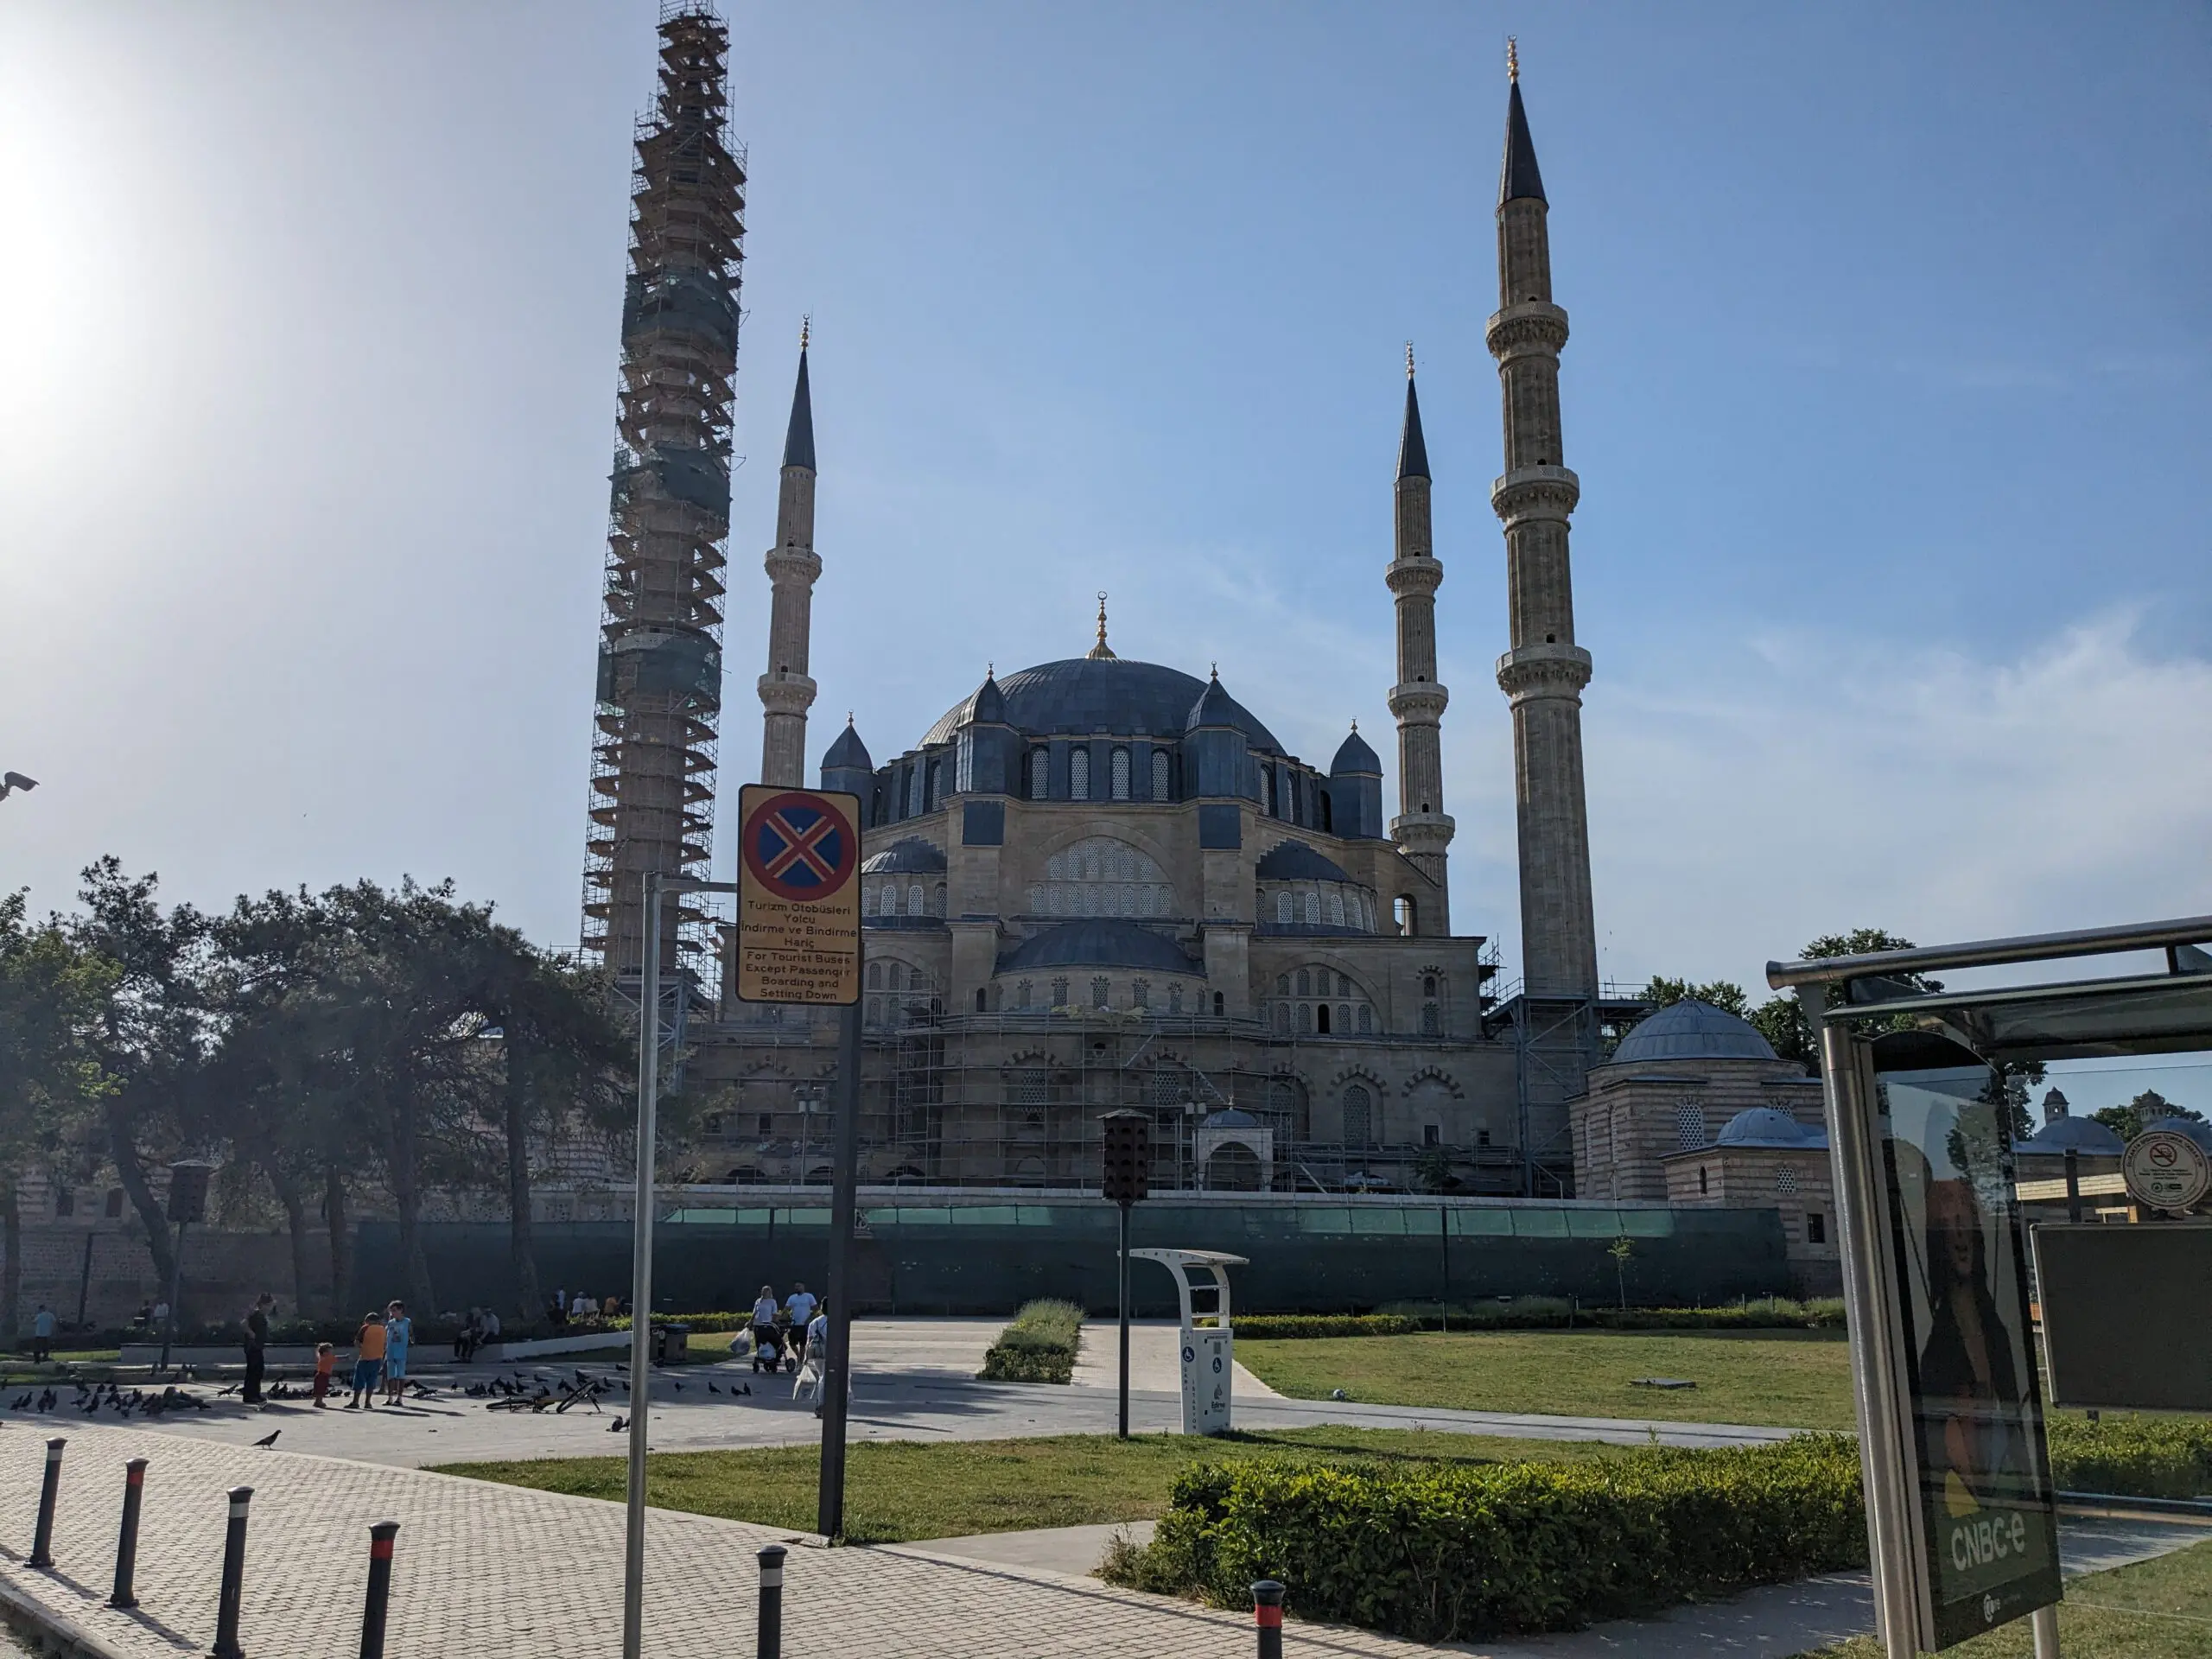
[799, 941]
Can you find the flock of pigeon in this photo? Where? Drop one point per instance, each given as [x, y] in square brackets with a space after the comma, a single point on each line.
[95, 1397]
[538, 1392]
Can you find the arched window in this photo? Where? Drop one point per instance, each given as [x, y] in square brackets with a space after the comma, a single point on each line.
[1432, 1020]
[1140, 994]
[1702, 1189]
[1282, 1019]
[1059, 993]
[1366, 1018]
[1428, 984]
[1328, 814]
[1079, 775]
[1101, 992]
[1304, 982]
[1359, 1115]
[936, 783]
[1021, 994]
[1401, 912]
[1267, 791]
[1282, 984]
[1174, 999]
[1321, 1020]
[914, 901]
[1040, 773]
[1313, 909]
[979, 999]
[1336, 907]
[914, 782]
[898, 978]
[1220, 1003]
[890, 899]
[1160, 774]
[1284, 911]
[1306, 1019]
[1344, 1016]
[1118, 774]
[939, 908]
[876, 975]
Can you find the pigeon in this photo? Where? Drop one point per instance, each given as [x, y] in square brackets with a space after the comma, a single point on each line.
[711, 1389]
[233, 1389]
[618, 1425]
[673, 1384]
[749, 1388]
[269, 1439]
[20, 1403]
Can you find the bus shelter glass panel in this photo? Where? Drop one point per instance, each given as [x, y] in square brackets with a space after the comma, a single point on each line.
[1987, 1504]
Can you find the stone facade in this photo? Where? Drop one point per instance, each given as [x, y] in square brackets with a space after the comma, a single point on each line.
[1795, 1180]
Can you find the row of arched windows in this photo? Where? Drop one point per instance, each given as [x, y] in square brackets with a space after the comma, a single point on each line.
[1325, 904]
[1119, 778]
[897, 898]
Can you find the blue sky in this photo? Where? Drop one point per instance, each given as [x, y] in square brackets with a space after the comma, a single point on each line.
[1888, 388]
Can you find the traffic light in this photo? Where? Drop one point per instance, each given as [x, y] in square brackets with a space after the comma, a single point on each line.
[1126, 1176]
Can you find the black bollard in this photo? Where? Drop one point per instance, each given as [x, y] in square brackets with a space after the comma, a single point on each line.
[1266, 1613]
[771, 1602]
[126, 1547]
[380, 1537]
[226, 1610]
[42, 1545]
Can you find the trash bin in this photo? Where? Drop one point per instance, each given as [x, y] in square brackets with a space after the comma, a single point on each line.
[671, 1344]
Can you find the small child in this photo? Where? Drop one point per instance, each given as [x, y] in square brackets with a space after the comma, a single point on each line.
[368, 1363]
[325, 1361]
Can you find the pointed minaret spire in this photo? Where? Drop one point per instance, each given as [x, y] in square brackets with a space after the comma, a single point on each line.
[1519, 178]
[793, 567]
[1413, 450]
[1421, 829]
[1102, 652]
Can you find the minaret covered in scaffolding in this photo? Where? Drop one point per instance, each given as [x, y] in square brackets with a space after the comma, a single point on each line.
[660, 666]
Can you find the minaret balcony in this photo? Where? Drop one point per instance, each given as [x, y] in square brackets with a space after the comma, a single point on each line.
[786, 693]
[1529, 493]
[792, 566]
[1550, 669]
[1531, 326]
[1420, 701]
[1422, 574]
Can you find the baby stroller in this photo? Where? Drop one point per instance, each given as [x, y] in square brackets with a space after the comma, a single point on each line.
[772, 1349]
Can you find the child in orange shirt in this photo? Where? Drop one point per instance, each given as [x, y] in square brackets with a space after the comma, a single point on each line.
[368, 1363]
[326, 1359]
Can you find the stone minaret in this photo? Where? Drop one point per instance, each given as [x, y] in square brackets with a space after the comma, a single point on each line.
[786, 693]
[1542, 675]
[1421, 829]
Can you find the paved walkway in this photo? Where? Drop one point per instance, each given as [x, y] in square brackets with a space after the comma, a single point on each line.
[500, 1572]
[914, 1380]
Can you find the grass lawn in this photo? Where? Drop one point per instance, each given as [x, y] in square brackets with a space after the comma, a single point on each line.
[1791, 1379]
[2155, 1610]
[898, 1490]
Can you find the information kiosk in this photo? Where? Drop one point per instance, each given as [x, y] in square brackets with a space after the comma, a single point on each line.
[1208, 1352]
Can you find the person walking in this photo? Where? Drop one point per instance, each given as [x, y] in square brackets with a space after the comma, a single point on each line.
[818, 1348]
[801, 1306]
[43, 1328]
[399, 1332]
[764, 1320]
[325, 1361]
[256, 1346]
[368, 1361]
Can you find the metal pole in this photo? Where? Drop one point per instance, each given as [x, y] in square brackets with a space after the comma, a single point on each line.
[176, 1289]
[1861, 1209]
[1267, 1616]
[379, 1597]
[844, 1199]
[42, 1541]
[226, 1609]
[641, 1277]
[1123, 1431]
[2073, 1185]
[2043, 1625]
[126, 1547]
[770, 1642]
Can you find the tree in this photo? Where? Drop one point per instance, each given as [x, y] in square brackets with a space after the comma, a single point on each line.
[1725, 994]
[1621, 1249]
[2140, 1114]
[50, 1082]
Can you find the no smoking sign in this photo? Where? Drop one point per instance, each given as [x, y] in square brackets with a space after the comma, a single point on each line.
[2165, 1170]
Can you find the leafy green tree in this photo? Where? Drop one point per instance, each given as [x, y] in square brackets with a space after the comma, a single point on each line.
[1726, 994]
[2140, 1114]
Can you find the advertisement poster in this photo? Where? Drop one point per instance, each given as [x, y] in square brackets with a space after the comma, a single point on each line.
[1989, 1528]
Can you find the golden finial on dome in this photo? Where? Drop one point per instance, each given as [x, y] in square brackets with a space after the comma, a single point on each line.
[1101, 651]
[1512, 59]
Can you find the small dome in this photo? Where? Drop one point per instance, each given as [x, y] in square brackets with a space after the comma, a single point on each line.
[848, 753]
[1354, 758]
[2195, 1128]
[1690, 1030]
[2063, 1135]
[1763, 1126]
[1101, 943]
[912, 855]
[1293, 861]
[1229, 1118]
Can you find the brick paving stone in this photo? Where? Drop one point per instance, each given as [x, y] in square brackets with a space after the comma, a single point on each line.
[500, 1572]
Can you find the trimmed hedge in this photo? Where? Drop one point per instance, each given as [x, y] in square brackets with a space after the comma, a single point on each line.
[1543, 1313]
[2133, 1457]
[1039, 1346]
[1440, 1553]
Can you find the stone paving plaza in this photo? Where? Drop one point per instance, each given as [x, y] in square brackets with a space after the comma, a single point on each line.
[497, 1572]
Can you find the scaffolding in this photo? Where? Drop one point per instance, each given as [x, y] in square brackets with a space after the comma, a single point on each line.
[659, 700]
[1012, 1099]
[1556, 1039]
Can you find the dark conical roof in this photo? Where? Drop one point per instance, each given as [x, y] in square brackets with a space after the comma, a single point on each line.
[848, 751]
[1215, 707]
[1355, 755]
[798, 439]
[1518, 177]
[988, 706]
[1413, 451]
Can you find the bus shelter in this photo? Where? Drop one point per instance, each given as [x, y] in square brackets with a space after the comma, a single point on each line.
[1926, 1088]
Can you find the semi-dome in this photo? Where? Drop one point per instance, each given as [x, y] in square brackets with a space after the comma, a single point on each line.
[2081, 1134]
[1293, 861]
[1085, 695]
[909, 853]
[1101, 943]
[1690, 1030]
[1763, 1126]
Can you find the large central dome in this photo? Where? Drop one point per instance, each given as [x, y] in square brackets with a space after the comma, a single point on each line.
[1094, 694]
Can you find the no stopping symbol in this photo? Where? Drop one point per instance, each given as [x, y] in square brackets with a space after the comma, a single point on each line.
[799, 846]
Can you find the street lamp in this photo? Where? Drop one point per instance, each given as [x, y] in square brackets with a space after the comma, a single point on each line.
[12, 781]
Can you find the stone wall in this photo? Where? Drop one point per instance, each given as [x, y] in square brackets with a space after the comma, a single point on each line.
[108, 1272]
